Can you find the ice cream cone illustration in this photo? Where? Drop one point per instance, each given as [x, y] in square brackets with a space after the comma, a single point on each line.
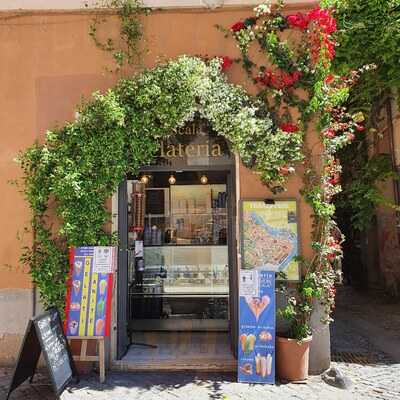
[78, 267]
[257, 305]
[100, 307]
[73, 327]
[103, 286]
[77, 286]
[99, 327]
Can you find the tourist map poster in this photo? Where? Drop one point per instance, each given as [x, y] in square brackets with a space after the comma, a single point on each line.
[256, 347]
[270, 237]
[88, 306]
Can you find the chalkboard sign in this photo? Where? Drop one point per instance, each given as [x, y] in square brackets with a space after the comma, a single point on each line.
[44, 333]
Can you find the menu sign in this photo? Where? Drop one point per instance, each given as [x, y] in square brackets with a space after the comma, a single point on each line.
[88, 308]
[256, 348]
[45, 334]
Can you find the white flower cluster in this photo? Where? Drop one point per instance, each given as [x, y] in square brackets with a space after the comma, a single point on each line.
[263, 9]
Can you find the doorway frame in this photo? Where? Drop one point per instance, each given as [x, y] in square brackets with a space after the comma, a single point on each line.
[120, 341]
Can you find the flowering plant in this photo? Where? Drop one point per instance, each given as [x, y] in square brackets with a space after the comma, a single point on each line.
[296, 78]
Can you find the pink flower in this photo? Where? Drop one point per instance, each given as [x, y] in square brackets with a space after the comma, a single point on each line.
[238, 26]
[330, 133]
[289, 127]
[350, 137]
[226, 63]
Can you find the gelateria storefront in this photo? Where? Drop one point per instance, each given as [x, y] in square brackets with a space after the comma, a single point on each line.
[178, 223]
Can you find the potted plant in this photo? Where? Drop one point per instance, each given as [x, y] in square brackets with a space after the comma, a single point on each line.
[293, 343]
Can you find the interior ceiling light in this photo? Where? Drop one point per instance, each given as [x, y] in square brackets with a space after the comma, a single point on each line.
[204, 179]
[172, 180]
[144, 179]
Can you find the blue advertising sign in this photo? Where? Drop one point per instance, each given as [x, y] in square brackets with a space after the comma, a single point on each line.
[256, 352]
[88, 305]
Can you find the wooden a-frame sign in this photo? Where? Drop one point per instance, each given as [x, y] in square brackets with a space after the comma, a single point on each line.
[44, 333]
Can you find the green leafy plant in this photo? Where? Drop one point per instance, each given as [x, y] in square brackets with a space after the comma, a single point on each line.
[127, 50]
[294, 78]
[80, 165]
[368, 31]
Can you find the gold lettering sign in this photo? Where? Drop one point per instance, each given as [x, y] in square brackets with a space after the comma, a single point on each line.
[192, 150]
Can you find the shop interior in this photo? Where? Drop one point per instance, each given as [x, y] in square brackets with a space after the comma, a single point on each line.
[178, 267]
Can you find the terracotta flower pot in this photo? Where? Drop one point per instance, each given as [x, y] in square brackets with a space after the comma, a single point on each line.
[292, 358]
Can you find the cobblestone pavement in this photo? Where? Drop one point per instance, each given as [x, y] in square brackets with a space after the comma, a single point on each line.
[365, 326]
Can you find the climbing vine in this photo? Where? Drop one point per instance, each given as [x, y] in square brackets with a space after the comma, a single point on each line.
[368, 31]
[294, 77]
[80, 165]
[127, 49]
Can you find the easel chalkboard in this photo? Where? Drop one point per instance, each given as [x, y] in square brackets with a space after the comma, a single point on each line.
[44, 333]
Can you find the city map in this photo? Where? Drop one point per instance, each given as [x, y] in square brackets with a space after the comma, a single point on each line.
[270, 240]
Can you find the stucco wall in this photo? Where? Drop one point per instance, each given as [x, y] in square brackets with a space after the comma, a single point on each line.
[49, 63]
[78, 4]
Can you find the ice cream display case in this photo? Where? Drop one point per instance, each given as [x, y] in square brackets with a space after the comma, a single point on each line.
[184, 273]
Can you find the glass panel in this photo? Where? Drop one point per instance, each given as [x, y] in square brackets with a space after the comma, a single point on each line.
[184, 270]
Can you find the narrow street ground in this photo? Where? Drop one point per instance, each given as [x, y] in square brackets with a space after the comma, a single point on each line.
[365, 345]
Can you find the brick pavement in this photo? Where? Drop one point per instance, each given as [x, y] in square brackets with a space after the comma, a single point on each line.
[356, 317]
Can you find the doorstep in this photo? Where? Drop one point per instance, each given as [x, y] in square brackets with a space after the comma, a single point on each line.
[176, 365]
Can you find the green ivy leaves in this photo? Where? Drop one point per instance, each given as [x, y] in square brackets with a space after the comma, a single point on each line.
[80, 165]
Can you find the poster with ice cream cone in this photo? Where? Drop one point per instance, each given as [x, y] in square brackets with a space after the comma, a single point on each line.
[88, 305]
[256, 347]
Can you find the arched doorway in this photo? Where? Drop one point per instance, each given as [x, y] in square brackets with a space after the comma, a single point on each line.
[178, 278]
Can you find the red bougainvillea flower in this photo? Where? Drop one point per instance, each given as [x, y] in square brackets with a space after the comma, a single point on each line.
[289, 127]
[298, 20]
[329, 47]
[360, 128]
[226, 63]
[296, 76]
[329, 79]
[335, 179]
[330, 133]
[277, 81]
[331, 256]
[324, 19]
[238, 26]
[264, 79]
[282, 79]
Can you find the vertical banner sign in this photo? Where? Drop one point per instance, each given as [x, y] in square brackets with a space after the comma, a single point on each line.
[269, 244]
[256, 352]
[88, 307]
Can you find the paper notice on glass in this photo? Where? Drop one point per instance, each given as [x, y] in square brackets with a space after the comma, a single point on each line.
[138, 248]
[103, 260]
[249, 283]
